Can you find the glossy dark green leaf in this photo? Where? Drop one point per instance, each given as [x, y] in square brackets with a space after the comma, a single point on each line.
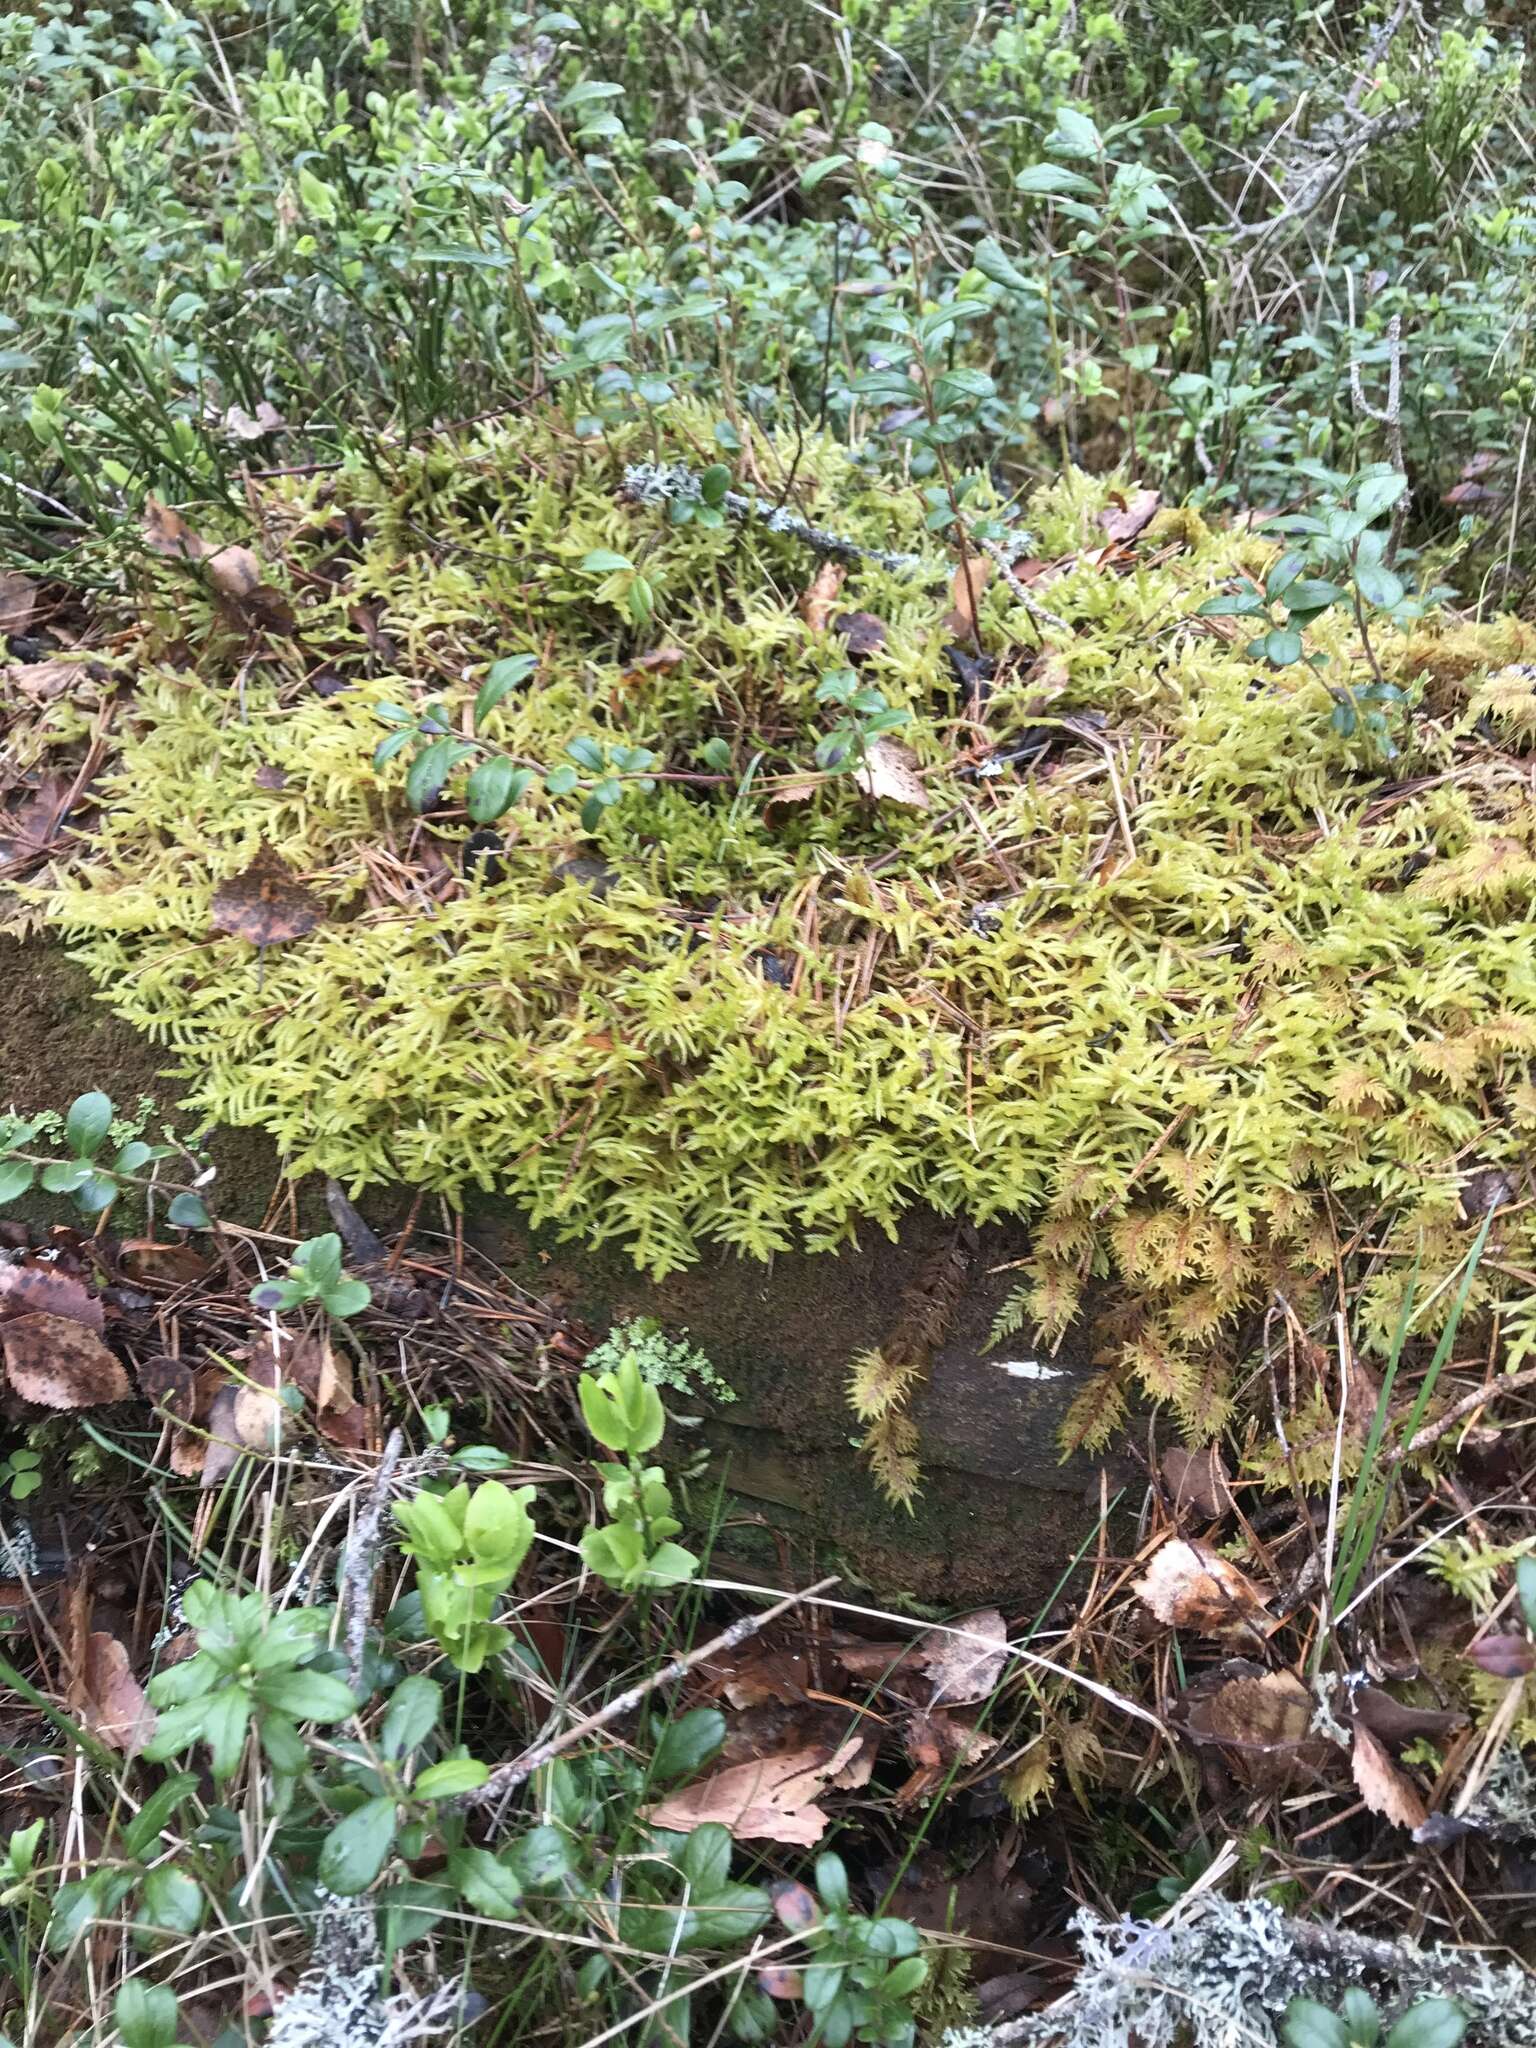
[188, 1212]
[688, 1743]
[355, 1850]
[87, 1124]
[414, 1710]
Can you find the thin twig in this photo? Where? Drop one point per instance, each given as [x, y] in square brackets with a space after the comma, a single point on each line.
[1457, 1412]
[507, 1777]
[362, 1555]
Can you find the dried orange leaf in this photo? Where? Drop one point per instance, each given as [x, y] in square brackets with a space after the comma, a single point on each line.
[1383, 1787]
[970, 580]
[890, 771]
[58, 1363]
[772, 1799]
[109, 1699]
[1189, 1586]
[266, 903]
[816, 603]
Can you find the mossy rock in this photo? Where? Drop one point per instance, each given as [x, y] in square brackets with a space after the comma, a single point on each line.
[1196, 988]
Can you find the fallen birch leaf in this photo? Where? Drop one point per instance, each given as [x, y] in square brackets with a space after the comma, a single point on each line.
[18, 601]
[770, 1800]
[1262, 1725]
[58, 1363]
[266, 903]
[817, 600]
[109, 1699]
[45, 1290]
[889, 771]
[1188, 1586]
[1382, 1786]
[964, 1667]
[970, 580]
[43, 681]
[1123, 521]
[236, 575]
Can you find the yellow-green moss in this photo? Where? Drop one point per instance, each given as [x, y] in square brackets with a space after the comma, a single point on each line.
[1203, 994]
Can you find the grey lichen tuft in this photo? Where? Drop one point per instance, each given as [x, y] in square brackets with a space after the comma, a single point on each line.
[1223, 1977]
[653, 483]
[336, 2003]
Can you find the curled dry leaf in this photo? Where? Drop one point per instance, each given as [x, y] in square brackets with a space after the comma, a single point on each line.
[266, 903]
[965, 1659]
[18, 601]
[1197, 1481]
[1397, 1724]
[167, 533]
[937, 1739]
[860, 632]
[1262, 1722]
[170, 1384]
[43, 681]
[1384, 1788]
[241, 425]
[236, 575]
[817, 601]
[772, 1799]
[889, 771]
[1125, 517]
[109, 1699]
[59, 1363]
[46, 1290]
[164, 1265]
[1188, 1586]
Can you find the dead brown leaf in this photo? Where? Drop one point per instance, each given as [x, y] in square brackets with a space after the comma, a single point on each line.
[1125, 517]
[938, 1738]
[236, 574]
[772, 1799]
[1384, 1788]
[170, 1384]
[266, 903]
[1397, 1724]
[165, 1265]
[109, 1699]
[1262, 1724]
[1188, 1586]
[817, 601]
[964, 1667]
[1197, 1481]
[1504, 1656]
[59, 1363]
[44, 681]
[18, 601]
[860, 632]
[889, 772]
[970, 580]
[167, 533]
[47, 1291]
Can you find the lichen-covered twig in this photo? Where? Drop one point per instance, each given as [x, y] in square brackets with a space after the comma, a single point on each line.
[337, 2001]
[362, 1554]
[651, 483]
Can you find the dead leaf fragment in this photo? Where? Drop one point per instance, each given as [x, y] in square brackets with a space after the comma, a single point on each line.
[1188, 1586]
[109, 1699]
[1397, 1724]
[48, 1291]
[241, 425]
[889, 771]
[18, 601]
[970, 580]
[772, 1799]
[167, 533]
[817, 601]
[266, 903]
[170, 1384]
[58, 1363]
[965, 1659]
[1262, 1725]
[1197, 1481]
[1505, 1656]
[1125, 519]
[236, 574]
[860, 632]
[1384, 1788]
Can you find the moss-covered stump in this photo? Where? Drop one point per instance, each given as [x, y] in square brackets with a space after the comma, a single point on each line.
[1146, 952]
[1000, 1514]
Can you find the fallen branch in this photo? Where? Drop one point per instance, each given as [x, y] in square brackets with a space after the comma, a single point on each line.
[507, 1777]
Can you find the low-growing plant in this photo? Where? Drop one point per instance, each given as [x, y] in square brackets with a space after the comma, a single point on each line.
[1428, 2023]
[315, 1274]
[92, 1153]
[468, 1547]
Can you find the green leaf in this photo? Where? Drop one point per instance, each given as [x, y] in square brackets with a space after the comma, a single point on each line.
[414, 1710]
[1379, 586]
[89, 1120]
[307, 1695]
[560, 781]
[714, 484]
[1310, 2025]
[144, 1830]
[705, 1859]
[133, 1155]
[319, 199]
[1051, 180]
[226, 1717]
[1434, 2023]
[170, 1902]
[188, 1212]
[501, 677]
[431, 769]
[688, 1743]
[64, 1176]
[541, 1857]
[485, 1883]
[1525, 1586]
[604, 562]
[389, 746]
[832, 1882]
[347, 1298]
[411, 1909]
[1075, 134]
[353, 1853]
[998, 267]
[146, 2014]
[1311, 594]
[497, 1525]
[1378, 494]
[453, 1775]
[1358, 2011]
[1246, 604]
[320, 1258]
[494, 788]
[1284, 574]
[586, 753]
[813, 174]
[286, 1750]
[96, 1192]
[1282, 646]
[15, 1178]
